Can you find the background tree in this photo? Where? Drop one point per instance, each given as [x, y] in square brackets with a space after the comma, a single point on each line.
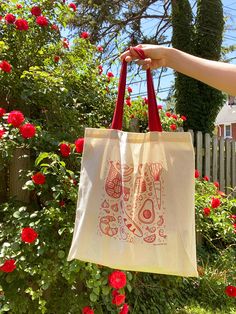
[186, 88]
[208, 41]
[199, 102]
[107, 20]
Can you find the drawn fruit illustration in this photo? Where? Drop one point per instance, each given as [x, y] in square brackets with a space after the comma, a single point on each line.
[150, 239]
[146, 213]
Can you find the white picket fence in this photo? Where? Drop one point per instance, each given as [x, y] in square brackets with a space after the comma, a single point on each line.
[216, 158]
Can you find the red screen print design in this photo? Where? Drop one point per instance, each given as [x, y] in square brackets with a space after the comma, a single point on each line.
[132, 206]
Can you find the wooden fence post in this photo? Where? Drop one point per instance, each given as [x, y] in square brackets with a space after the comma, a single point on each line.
[228, 165]
[207, 155]
[233, 169]
[3, 184]
[19, 162]
[199, 152]
[215, 158]
[222, 164]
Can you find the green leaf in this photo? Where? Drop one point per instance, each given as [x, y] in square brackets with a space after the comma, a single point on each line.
[96, 290]
[40, 158]
[16, 214]
[61, 254]
[106, 290]
[93, 297]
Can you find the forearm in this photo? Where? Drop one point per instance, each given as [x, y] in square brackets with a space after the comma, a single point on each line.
[219, 75]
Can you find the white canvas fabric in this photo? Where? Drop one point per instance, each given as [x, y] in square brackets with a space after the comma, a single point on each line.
[135, 207]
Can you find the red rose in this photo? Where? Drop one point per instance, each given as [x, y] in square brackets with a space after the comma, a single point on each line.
[232, 217]
[206, 178]
[28, 235]
[65, 43]
[216, 184]
[118, 299]
[110, 74]
[197, 174]
[168, 114]
[99, 48]
[2, 132]
[145, 100]
[5, 66]
[183, 118]
[159, 107]
[221, 193]
[42, 21]
[173, 127]
[207, 211]
[27, 130]
[72, 6]
[117, 279]
[65, 149]
[19, 6]
[174, 116]
[100, 68]
[62, 203]
[2, 112]
[16, 118]
[38, 178]
[87, 310]
[128, 102]
[114, 293]
[36, 11]
[230, 291]
[129, 89]
[215, 202]
[56, 59]
[84, 35]
[125, 309]
[21, 25]
[55, 27]
[79, 145]
[8, 266]
[10, 18]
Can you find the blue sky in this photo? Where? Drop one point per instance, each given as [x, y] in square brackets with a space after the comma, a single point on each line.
[167, 78]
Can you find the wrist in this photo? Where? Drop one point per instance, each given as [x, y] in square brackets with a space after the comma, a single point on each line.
[168, 53]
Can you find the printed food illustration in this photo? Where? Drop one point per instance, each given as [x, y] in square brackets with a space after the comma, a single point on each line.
[132, 206]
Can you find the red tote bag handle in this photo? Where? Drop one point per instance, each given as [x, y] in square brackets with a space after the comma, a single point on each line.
[154, 121]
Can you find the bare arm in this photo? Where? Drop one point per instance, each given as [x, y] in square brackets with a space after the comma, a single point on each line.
[217, 74]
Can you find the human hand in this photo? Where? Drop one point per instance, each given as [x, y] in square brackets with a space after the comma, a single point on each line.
[156, 56]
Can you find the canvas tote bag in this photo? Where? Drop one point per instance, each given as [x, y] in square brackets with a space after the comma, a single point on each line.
[135, 206]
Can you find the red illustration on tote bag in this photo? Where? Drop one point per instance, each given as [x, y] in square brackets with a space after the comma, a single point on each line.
[132, 209]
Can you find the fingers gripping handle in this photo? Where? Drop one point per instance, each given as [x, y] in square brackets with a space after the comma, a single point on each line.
[154, 122]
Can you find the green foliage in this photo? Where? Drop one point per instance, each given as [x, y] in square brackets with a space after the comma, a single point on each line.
[186, 89]
[208, 40]
[136, 117]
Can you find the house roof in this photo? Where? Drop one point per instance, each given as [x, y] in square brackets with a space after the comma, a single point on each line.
[227, 114]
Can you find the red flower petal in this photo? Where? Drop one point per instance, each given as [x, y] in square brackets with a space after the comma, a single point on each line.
[28, 235]
[117, 279]
[38, 178]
